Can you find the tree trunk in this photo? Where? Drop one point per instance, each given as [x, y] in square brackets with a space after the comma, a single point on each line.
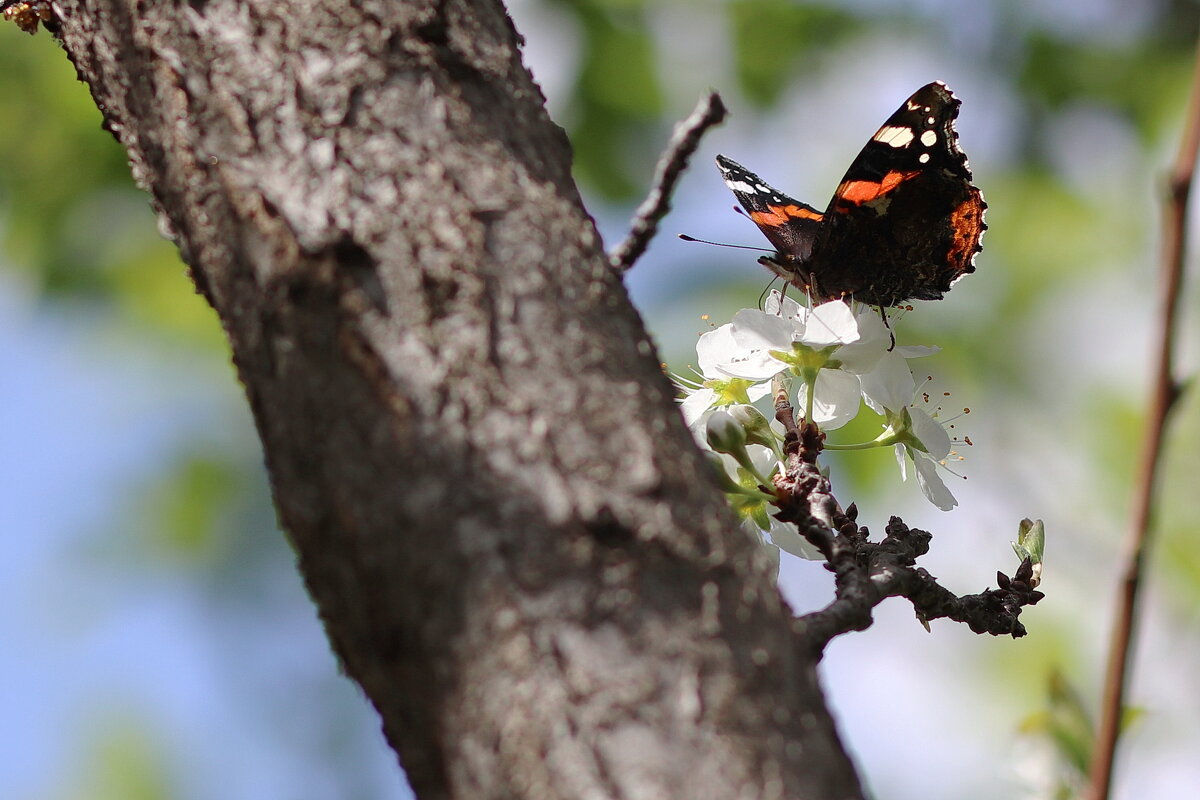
[514, 546]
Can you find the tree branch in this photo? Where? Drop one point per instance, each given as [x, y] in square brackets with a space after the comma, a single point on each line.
[868, 572]
[1165, 392]
[514, 545]
[709, 111]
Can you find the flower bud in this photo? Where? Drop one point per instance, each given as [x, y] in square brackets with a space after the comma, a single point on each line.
[1031, 544]
[724, 434]
[754, 425]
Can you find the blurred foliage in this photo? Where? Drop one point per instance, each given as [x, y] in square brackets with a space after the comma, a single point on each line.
[617, 97]
[776, 42]
[1180, 555]
[122, 760]
[77, 235]
[1059, 71]
[187, 513]
[75, 225]
[1066, 723]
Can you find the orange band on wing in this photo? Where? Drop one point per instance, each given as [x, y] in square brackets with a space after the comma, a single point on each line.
[966, 222]
[777, 216]
[859, 192]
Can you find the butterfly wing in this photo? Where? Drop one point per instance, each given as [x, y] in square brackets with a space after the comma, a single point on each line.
[791, 226]
[905, 222]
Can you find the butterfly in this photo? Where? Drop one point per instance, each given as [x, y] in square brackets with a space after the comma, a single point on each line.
[904, 224]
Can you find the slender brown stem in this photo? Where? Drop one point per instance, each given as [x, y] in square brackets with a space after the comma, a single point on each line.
[1165, 392]
[709, 111]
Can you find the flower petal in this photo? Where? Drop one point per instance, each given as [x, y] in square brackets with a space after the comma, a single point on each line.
[778, 305]
[873, 341]
[931, 484]
[829, 324]
[890, 385]
[917, 350]
[787, 538]
[754, 330]
[763, 459]
[713, 347]
[930, 434]
[758, 391]
[756, 365]
[836, 398]
[695, 404]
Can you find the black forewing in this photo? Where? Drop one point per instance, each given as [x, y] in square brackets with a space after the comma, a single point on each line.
[790, 225]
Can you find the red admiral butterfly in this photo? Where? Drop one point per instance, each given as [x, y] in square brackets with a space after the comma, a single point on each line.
[904, 224]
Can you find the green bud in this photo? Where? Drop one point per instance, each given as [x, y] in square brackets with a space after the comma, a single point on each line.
[754, 425]
[724, 434]
[1031, 544]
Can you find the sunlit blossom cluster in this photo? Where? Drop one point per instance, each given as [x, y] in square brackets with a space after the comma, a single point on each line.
[837, 358]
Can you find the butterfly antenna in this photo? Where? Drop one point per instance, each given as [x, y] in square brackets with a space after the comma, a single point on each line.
[687, 238]
[762, 298]
[887, 323]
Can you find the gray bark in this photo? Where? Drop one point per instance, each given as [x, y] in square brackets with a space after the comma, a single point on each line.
[514, 546]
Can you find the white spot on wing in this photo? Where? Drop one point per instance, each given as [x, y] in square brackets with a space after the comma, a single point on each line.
[740, 186]
[896, 136]
[929, 138]
[924, 159]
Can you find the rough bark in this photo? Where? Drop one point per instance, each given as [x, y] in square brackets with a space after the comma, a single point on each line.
[514, 546]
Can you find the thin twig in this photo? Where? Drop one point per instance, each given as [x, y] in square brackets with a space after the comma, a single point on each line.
[685, 139]
[869, 572]
[866, 573]
[1166, 393]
